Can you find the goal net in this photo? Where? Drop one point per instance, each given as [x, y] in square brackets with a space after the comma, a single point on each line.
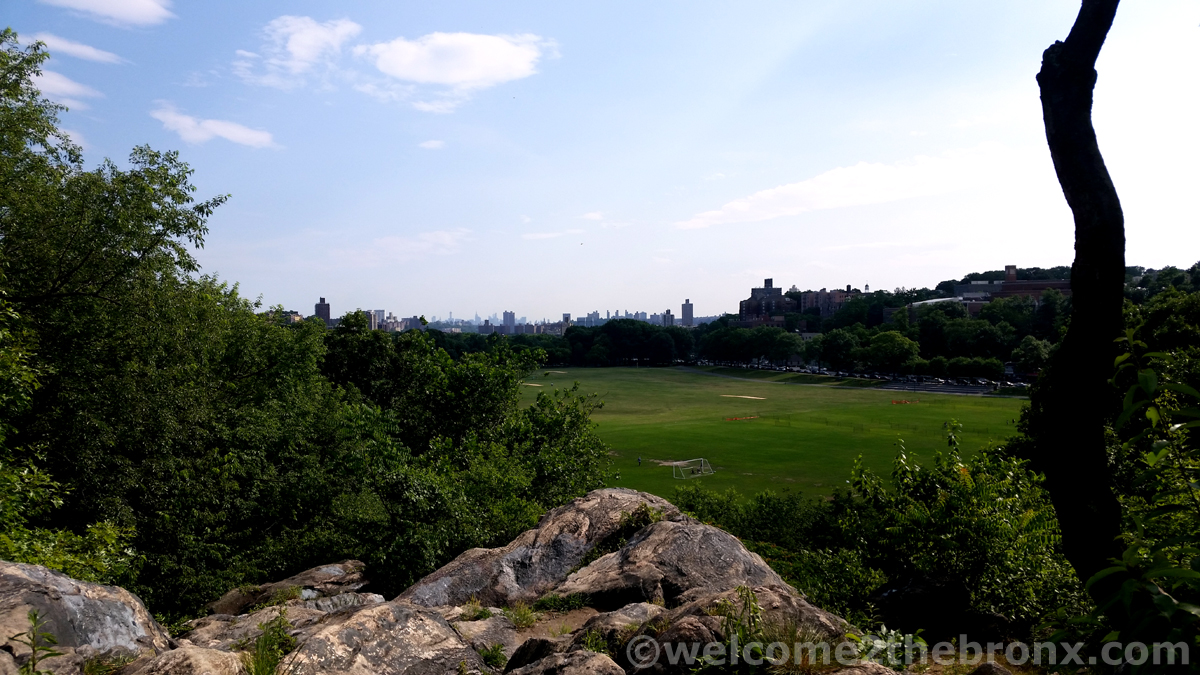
[691, 468]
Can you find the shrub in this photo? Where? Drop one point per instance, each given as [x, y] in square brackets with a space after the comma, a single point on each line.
[522, 615]
[494, 656]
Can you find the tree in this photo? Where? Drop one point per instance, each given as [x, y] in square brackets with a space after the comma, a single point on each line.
[838, 348]
[1073, 400]
[889, 351]
[1031, 354]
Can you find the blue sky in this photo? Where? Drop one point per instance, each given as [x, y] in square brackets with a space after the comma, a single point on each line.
[550, 157]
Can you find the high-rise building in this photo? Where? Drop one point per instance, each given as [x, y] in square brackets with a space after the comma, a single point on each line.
[510, 320]
[686, 314]
[668, 319]
[566, 318]
[322, 311]
[380, 314]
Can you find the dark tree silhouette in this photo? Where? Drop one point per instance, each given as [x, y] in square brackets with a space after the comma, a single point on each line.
[1072, 402]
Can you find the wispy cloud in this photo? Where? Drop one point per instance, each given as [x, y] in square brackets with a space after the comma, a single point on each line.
[386, 250]
[594, 215]
[195, 130]
[866, 183]
[120, 12]
[64, 90]
[456, 64]
[62, 46]
[432, 145]
[295, 46]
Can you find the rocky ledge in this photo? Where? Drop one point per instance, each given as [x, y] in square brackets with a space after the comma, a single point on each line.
[568, 596]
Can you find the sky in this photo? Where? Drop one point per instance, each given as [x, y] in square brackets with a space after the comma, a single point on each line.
[550, 157]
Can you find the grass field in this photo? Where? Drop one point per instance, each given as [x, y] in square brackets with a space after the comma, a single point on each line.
[791, 437]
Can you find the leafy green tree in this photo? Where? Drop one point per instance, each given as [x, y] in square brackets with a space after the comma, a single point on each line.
[838, 349]
[1031, 354]
[890, 351]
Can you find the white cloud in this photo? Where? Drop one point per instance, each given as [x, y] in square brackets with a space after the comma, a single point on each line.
[59, 45]
[869, 183]
[461, 62]
[295, 46]
[64, 90]
[194, 130]
[120, 12]
[594, 215]
[576, 231]
[432, 145]
[387, 250]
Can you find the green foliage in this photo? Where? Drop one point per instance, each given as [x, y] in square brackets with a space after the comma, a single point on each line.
[270, 647]
[553, 602]
[227, 445]
[985, 521]
[522, 615]
[40, 642]
[473, 611]
[594, 641]
[1151, 594]
[494, 656]
[279, 597]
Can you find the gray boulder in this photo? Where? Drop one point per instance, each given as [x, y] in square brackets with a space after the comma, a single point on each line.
[224, 632]
[672, 561]
[311, 584]
[538, 559]
[485, 633]
[535, 649]
[624, 622]
[388, 638]
[87, 619]
[189, 660]
[572, 663]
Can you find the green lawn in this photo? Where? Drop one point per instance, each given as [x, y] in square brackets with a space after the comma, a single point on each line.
[803, 437]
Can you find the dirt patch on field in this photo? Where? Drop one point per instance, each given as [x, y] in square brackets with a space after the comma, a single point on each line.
[756, 398]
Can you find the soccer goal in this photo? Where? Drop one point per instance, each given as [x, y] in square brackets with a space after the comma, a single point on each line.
[691, 468]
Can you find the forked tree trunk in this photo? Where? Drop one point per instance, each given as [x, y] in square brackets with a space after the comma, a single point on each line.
[1073, 400]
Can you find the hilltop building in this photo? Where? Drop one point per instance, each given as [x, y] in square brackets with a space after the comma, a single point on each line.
[322, 311]
[686, 314]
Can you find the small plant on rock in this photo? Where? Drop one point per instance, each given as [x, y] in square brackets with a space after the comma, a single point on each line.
[522, 615]
[40, 643]
[473, 611]
[494, 656]
[594, 641]
[270, 647]
[560, 603]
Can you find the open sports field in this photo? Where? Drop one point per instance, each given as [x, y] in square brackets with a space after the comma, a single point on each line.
[758, 433]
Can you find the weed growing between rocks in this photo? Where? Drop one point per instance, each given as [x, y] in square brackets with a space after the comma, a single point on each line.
[494, 656]
[522, 615]
[563, 604]
[593, 641]
[99, 665]
[473, 611]
[270, 647]
[40, 642]
[279, 597]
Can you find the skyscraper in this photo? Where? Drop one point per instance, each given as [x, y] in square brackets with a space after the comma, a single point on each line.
[322, 311]
[686, 314]
[510, 320]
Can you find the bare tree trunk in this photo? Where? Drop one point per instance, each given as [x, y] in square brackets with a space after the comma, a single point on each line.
[1071, 403]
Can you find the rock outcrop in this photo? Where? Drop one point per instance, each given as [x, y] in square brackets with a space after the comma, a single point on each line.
[538, 559]
[672, 561]
[573, 663]
[388, 638]
[189, 660]
[319, 582]
[88, 620]
[664, 579]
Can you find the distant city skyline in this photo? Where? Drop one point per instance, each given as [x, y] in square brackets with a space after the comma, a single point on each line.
[463, 155]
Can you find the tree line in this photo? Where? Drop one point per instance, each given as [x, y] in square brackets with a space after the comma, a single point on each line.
[160, 431]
